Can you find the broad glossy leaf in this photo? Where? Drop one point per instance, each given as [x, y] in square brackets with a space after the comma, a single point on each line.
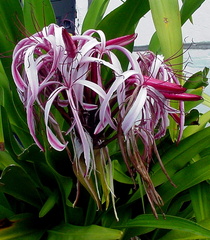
[192, 118]
[9, 99]
[206, 101]
[10, 29]
[186, 178]
[124, 19]
[166, 18]
[21, 227]
[64, 183]
[188, 8]
[5, 208]
[5, 213]
[37, 14]
[197, 80]
[15, 138]
[49, 204]
[178, 204]
[95, 14]
[179, 155]
[17, 183]
[169, 222]
[119, 174]
[203, 120]
[14, 114]
[11, 18]
[180, 235]
[9, 138]
[2, 148]
[200, 197]
[5, 160]
[192, 104]
[91, 212]
[72, 232]
[10, 32]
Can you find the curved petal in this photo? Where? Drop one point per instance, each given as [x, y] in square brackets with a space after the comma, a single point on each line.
[52, 139]
[133, 113]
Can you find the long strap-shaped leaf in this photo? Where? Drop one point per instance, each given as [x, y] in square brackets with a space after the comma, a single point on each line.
[37, 14]
[178, 156]
[169, 222]
[167, 21]
[95, 14]
[188, 8]
[123, 20]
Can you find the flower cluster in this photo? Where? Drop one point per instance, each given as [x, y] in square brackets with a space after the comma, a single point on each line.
[97, 97]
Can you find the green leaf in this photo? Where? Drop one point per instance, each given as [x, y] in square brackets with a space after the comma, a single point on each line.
[178, 156]
[91, 212]
[10, 31]
[169, 222]
[11, 15]
[12, 144]
[5, 213]
[5, 160]
[9, 99]
[16, 182]
[21, 227]
[5, 209]
[192, 104]
[64, 183]
[166, 18]
[180, 235]
[37, 14]
[188, 8]
[119, 174]
[49, 204]
[94, 14]
[203, 120]
[178, 204]
[200, 197]
[185, 178]
[206, 101]
[192, 118]
[124, 19]
[197, 80]
[72, 232]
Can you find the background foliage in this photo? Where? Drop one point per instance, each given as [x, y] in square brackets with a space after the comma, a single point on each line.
[37, 189]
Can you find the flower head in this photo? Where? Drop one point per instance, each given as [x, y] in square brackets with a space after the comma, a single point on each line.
[81, 78]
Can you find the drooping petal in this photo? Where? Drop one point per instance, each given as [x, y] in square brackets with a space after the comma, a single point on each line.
[164, 86]
[31, 71]
[52, 139]
[122, 41]
[31, 122]
[134, 111]
[182, 96]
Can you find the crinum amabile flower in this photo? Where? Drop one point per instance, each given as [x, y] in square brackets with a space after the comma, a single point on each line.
[81, 78]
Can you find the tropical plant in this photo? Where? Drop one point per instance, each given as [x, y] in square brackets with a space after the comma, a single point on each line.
[98, 142]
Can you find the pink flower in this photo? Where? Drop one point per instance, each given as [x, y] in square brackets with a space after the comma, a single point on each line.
[60, 79]
[55, 70]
